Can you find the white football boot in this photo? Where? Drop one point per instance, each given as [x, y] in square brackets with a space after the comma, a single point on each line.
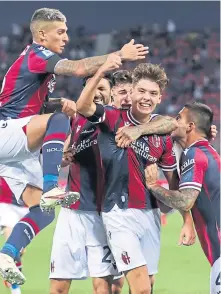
[9, 270]
[57, 196]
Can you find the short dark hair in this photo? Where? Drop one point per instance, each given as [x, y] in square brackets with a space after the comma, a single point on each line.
[46, 14]
[153, 72]
[201, 115]
[122, 77]
[108, 76]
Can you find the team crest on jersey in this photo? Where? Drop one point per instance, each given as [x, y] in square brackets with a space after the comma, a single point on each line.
[51, 84]
[156, 141]
[125, 257]
[78, 128]
[52, 266]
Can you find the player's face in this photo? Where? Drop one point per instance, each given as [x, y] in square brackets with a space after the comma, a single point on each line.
[122, 95]
[103, 92]
[56, 37]
[183, 124]
[145, 97]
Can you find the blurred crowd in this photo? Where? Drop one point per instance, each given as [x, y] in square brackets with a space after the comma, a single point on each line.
[191, 60]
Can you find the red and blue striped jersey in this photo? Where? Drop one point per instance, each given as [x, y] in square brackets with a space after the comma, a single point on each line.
[86, 173]
[124, 169]
[27, 83]
[200, 170]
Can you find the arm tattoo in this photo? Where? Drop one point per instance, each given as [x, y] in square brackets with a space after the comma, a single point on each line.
[183, 200]
[83, 67]
[160, 125]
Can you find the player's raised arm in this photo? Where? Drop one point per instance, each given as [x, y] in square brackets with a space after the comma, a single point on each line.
[88, 66]
[49, 31]
[85, 103]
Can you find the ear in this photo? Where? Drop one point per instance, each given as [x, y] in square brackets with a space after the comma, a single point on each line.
[159, 100]
[190, 127]
[42, 35]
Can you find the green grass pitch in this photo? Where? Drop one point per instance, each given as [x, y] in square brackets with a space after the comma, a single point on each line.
[182, 270]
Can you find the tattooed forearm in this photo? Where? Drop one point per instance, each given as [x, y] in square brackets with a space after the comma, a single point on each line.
[84, 67]
[160, 125]
[183, 200]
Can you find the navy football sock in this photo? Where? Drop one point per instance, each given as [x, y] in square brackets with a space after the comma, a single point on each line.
[25, 230]
[52, 149]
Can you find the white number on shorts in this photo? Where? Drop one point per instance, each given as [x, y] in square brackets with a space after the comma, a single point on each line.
[108, 253]
[218, 280]
[3, 124]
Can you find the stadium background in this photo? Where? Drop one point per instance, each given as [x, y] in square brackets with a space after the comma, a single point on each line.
[185, 38]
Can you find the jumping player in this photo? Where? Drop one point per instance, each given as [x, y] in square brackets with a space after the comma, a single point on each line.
[24, 132]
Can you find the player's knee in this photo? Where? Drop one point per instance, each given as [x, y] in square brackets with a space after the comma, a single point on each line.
[144, 290]
[58, 290]
[101, 286]
[116, 289]
[117, 286]
[59, 286]
[58, 117]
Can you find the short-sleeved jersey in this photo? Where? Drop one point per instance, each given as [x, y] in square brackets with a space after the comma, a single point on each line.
[27, 83]
[125, 168]
[86, 173]
[200, 170]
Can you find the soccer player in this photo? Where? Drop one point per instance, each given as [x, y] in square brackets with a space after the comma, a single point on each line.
[84, 250]
[199, 186]
[24, 132]
[84, 222]
[130, 214]
[122, 89]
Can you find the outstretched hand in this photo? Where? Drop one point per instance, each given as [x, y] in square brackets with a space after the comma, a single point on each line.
[133, 52]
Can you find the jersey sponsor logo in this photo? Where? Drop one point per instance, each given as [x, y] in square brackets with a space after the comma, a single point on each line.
[88, 131]
[51, 84]
[45, 51]
[84, 144]
[142, 149]
[125, 257]
[187, 165]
